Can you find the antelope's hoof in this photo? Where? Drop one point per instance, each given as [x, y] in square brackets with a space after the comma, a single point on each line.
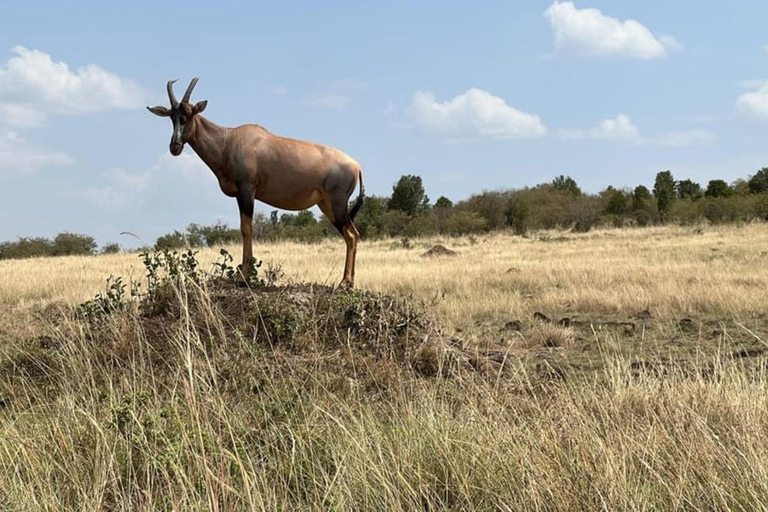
[346, 285]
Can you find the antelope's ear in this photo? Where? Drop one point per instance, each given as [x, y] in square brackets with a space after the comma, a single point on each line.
[160, 111]
[200, 106]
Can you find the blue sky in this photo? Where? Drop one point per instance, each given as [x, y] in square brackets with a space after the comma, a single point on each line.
[471, 96]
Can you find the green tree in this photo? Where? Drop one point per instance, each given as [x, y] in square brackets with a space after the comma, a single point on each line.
[688, 189]
[408, 196]
[566, 184]
[171, 241]
[210, 236]
[492, 205]
[618, 202]
[740, 187]
[462, 223]
[370, 218]
[517, 212]
[304, 218]
[111, 248]
[641, 196]
[718, 188]
[664, 191]
[26, 248]
[642, 209]
[66, 244]
[443, 210]
[758, 184]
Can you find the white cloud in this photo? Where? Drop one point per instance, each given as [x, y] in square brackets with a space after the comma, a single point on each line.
[590, 32]
[20, 116]
[476, 113]
[33, 85]
[683, 139]
[754, 103]
[17, 155]
[279, 90]
[620, 128]
[122, 188]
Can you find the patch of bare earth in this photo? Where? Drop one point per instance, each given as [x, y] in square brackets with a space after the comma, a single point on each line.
[438, 251]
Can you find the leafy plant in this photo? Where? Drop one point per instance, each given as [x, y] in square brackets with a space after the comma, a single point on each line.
[164, 267]
[107, 302]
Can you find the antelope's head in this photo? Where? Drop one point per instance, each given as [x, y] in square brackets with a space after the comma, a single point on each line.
[181, 114]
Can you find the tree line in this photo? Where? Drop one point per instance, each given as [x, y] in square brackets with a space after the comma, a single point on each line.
[408, 212]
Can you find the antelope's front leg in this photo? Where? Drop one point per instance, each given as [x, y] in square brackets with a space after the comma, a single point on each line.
[246, 229]
[245, 203]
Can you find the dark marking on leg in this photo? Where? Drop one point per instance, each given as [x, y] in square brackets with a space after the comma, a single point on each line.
[245, 202]
[340, 226]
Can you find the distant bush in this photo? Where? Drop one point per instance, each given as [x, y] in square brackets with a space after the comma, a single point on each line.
[369, 218]
[718, 188]
[464, 223]
[71, 244]
[558, 204]
[65, 244]
[492, 206]
[26, 248]
[198, 236]
[211, 236]
[393, 223]
[110, 249]
[425, 224]
[758, 184]
[171, 241]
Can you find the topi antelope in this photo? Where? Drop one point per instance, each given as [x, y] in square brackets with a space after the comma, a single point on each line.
[252, 163]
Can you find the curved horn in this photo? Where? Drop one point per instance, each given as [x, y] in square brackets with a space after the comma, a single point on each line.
[187, 94]
[172, 96]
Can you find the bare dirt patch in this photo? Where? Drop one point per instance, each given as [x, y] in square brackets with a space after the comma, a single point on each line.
[439, 251]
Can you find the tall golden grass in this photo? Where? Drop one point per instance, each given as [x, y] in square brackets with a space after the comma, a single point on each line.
[672, 271]
[129, 432]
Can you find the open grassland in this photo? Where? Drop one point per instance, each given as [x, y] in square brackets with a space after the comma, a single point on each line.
[618, 369]
[672, 271]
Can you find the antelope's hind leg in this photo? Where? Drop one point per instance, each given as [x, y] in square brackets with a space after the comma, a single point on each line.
[339, 216]
[351, 236]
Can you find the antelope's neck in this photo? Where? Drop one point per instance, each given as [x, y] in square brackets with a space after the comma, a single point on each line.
[210, 142]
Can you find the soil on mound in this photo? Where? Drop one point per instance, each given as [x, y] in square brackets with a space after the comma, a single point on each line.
[244, 338]
[350, 333]
[438, 250]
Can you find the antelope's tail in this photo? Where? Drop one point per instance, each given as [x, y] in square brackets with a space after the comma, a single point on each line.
[359, 201]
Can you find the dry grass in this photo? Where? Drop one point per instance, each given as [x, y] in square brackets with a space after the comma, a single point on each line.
[649, 395]
[672, 271]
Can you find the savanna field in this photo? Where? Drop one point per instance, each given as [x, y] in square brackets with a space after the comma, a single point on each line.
[616, 369]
